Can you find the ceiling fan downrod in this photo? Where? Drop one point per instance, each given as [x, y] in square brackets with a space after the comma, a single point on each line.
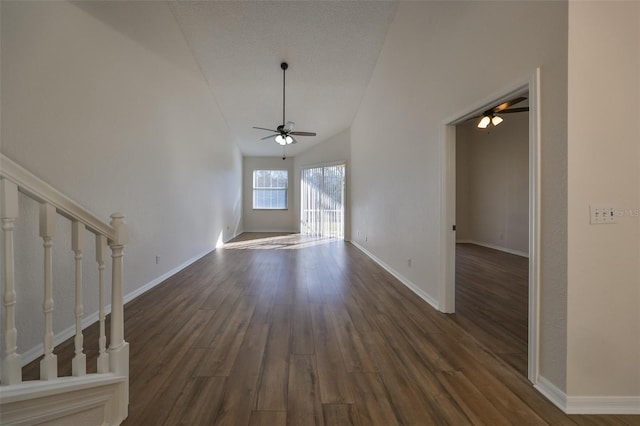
[284, 67]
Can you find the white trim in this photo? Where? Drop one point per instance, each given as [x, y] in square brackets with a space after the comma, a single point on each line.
[417, 290]
[39, 190]
[446, 287]
[40, 388]
[494, 247]
[535, 174]
[44, 401]
[36, 351]
[148, 286]
[588, 404]
[551, 392]
[603, 405]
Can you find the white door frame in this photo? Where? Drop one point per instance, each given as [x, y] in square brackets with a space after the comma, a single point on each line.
[446, 294]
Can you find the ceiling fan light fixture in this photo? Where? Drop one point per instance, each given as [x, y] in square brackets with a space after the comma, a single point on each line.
[282, 134]
[491, 117]
[484, 122]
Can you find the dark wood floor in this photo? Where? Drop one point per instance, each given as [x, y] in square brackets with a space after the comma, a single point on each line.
[303, 332]
[492, 296]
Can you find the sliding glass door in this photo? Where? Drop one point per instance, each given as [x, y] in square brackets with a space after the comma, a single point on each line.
[322, 202]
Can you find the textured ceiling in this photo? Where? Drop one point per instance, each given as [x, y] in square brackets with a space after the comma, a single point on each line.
[331, 48]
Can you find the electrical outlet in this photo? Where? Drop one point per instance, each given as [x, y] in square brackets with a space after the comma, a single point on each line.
[409, 263]
[600, 214]
[157, 260]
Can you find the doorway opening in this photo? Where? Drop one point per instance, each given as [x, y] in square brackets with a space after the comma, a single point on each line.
[492, 233]
[322, 201]
[447, 291]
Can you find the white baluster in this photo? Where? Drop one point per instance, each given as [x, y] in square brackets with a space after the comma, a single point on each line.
[101, 255]
[11, 363]
[79, 363]
[49, 364]
[118, 348]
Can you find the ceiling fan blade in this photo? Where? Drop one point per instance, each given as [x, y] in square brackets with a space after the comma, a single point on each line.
[303, 133]
[262, 128]
[293, 140]
[523, 109]
[288, 127]
[507, 104]
[267, 137]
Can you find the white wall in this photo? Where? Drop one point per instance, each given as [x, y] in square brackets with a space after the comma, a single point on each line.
[267, 220]
[432, 67]
[604, 167]
[492, 181]
[105, 102]
[334, 149]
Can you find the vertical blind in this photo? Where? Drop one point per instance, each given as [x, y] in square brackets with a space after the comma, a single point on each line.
[322, 202]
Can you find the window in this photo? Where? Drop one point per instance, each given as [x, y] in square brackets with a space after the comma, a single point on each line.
[270, 189]
[322, 201]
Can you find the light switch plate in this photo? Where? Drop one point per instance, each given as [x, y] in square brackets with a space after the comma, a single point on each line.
[602, 214]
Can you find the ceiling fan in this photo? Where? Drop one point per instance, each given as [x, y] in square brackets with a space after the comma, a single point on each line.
[490, 116]
[283, 135]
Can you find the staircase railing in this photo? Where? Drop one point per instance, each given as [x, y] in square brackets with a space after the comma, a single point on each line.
[112, 363]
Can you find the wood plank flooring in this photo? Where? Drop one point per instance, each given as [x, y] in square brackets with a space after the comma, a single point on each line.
[492, 297]
[291, 330]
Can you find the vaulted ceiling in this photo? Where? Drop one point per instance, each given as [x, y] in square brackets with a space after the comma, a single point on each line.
[331, 48]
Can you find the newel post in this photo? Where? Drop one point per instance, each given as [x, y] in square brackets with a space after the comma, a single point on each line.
[11, 362]
[118, 348]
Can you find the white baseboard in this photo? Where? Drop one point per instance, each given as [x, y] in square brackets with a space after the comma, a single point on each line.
[36, 351]
[495, 247]
[551, 392]
[588, 404]
[151, 284]
[603, 405]
[417, 290]
[568, 404]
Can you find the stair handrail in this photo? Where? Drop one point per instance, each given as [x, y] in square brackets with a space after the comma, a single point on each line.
[36, 188]
[113, 362]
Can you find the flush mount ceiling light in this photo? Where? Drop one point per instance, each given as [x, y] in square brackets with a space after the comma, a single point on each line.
[284, 131]
[490, 117]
